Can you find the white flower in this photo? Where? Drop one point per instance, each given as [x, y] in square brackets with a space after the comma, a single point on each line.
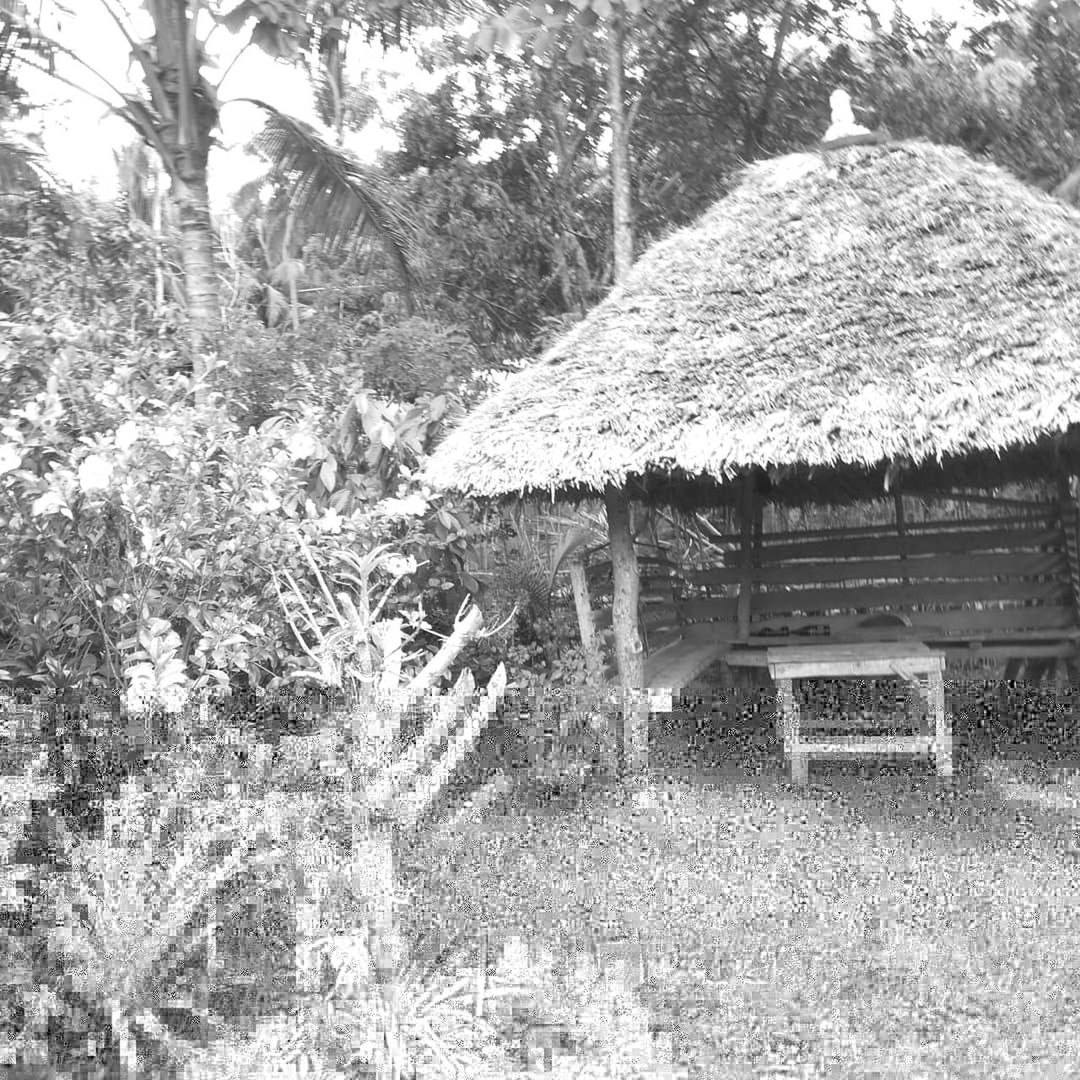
[400, 565]
[487, 150]
[147, 689]
[166, 436]
[330, 522]
[140, 693]
[411, 506]
[149, 538]
[302, 444]
[265, 503]
[10, 458]
[49, 503]
[126, 434]
[95, 473]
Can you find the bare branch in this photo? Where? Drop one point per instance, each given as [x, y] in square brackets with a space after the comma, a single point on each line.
[157, 91]
[772, 76]
[232, 63]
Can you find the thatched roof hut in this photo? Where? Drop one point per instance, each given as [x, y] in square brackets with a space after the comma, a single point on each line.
[838, 310]
[847, 316]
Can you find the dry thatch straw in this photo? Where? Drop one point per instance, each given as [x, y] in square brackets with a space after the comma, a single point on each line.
[839, 309]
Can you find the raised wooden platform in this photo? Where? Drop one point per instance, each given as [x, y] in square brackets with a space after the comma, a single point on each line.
[669, 670]
[911, 661]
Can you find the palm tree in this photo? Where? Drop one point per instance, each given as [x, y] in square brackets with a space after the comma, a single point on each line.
[321, 190]
[178, 116]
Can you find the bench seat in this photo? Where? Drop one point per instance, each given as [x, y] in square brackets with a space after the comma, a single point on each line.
[679, 663]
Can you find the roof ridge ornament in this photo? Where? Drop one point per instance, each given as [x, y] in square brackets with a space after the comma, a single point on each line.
[843, 130]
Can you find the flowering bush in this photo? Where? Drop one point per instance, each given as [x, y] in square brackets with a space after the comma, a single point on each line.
[123, 507]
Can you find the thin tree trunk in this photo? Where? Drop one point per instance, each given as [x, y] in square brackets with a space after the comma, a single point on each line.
[200, 273]
[622, 206]
[629, 650]
[586, 627]
[628, 646]
[188, 112]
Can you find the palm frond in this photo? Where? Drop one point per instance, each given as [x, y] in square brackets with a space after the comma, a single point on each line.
[332, 195]
[137, 179]
[21, 166]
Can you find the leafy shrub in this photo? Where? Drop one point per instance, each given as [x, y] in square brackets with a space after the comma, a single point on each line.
[124, 506]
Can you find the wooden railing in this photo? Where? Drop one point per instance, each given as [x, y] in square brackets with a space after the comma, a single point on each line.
[1003, 587]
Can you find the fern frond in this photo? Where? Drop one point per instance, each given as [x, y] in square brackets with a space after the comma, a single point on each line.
[332, 194]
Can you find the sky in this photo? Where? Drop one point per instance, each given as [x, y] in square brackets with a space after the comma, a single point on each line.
[80, 135]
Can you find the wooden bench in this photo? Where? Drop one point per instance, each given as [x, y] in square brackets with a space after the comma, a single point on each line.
[674, 658]
[911, 661]
[999, 588]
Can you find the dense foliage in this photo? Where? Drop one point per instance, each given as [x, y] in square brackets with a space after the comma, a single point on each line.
[163, 537]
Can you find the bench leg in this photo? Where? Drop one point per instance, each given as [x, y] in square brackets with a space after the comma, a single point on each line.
[800, 772]
[942, 725]
[785, 702]
[787, 722]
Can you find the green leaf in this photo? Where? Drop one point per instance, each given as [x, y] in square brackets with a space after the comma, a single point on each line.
[542, 45]
[370, 417]
[485, 38]
[234, 20]
[328, 473]
[437, 407]
[274, 41]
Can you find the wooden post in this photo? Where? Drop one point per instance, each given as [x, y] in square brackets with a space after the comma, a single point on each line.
[759, 529]
[624, 615]
[901, 524]
[746, 581]
[586, 625]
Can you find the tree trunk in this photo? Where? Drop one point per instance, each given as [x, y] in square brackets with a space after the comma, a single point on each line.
[200, 273]
[622, 206]
[628, 647]
[586, 627]
[185, 105]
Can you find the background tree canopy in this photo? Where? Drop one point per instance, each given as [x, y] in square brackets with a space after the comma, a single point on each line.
[485, 227]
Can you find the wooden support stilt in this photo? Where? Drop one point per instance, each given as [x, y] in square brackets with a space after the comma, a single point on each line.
[629, 650]
[746, 582]
[586, 625]
[901, 523]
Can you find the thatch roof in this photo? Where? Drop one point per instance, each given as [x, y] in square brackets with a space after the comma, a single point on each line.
[837, 309]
